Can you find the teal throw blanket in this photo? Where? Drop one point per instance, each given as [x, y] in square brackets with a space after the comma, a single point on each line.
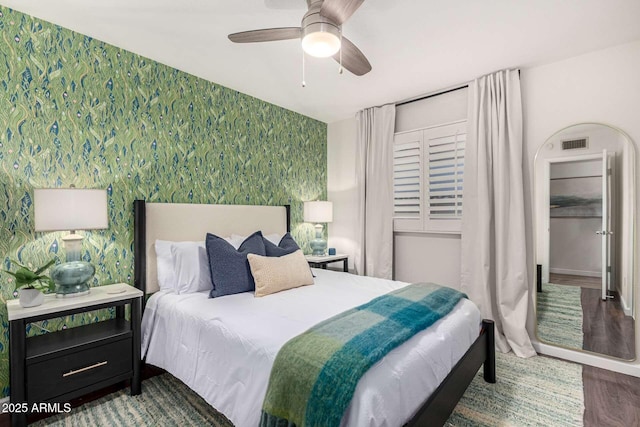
[315, 374]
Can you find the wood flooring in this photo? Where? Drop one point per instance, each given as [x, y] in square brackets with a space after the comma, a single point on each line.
[607, 330]
[582, 281]
[610, 399]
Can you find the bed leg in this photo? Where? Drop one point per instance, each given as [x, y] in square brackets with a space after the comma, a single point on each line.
[490, 361]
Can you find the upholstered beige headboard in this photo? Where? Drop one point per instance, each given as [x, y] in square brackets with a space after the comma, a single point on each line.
[191, 222]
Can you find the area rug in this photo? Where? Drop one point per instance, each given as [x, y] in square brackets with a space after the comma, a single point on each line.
[560, 315]
[538, 391]
[164, 401]
[529, 392]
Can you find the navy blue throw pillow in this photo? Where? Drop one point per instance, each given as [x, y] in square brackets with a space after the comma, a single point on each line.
[286, 246]
[230, 272]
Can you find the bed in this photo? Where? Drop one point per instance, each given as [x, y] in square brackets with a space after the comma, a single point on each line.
[223, 348]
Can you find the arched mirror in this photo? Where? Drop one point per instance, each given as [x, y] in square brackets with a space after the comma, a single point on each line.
[584, 182]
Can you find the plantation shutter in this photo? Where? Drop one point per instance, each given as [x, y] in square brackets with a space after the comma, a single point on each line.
[428, 178]
[407, 181]
[445, 166]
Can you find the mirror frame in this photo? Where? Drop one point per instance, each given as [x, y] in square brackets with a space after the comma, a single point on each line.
[632, 242]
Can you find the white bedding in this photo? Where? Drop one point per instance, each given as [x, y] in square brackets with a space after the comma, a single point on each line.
[223, 348]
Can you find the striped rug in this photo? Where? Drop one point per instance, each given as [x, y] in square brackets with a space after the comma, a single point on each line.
[539, 391]
[529, 392]
[559, 313]
[164, 401]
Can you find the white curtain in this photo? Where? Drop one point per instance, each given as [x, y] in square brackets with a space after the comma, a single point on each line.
[494, 260]
[374, 180]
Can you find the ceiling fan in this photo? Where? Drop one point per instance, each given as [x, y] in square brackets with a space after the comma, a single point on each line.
[320, 33]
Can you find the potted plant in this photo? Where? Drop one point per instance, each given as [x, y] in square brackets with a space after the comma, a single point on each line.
[29, 284]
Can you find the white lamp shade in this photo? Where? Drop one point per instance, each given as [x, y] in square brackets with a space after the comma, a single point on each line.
[317, 212]
[60, 209]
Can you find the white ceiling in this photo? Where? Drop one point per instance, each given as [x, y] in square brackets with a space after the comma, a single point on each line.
[414, 46]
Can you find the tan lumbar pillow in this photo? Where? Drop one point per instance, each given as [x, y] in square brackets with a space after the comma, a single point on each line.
[275, 274]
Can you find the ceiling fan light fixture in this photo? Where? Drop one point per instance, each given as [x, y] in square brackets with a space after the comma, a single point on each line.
[320, 35]
[321, 40]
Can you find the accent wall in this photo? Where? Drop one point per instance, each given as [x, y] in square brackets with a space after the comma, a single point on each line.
[75, 110]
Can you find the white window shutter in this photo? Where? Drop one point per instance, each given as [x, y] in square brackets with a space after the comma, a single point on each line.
[428, 178]
[407, 181]
[444, 176]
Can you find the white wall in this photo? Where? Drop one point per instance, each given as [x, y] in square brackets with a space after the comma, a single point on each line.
[423, 257]
[602, 87]
[574, 248]
[429, 257]
[418, 257]
[438, 110]
[341, 187]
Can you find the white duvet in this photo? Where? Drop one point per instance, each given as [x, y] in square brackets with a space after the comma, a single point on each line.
[223, 348]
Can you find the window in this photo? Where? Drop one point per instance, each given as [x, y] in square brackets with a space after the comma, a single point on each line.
[407, 175]
[428, 171]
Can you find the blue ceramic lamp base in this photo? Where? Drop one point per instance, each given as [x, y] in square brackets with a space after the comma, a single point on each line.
[72, 277]
[318, 245]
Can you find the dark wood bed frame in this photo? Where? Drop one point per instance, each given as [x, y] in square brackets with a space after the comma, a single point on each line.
[438, 407]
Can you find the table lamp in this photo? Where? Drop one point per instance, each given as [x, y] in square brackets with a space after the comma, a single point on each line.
[63, 209]
[318, 212]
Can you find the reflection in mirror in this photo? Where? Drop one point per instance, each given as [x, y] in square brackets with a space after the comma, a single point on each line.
[585, 213]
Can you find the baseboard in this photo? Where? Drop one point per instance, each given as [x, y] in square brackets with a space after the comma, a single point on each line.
[575, 272]
[625, 307]
[586, 358]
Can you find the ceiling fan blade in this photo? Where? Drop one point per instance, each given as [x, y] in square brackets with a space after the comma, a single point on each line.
[266, 35]
[352, 58]
[339, 10]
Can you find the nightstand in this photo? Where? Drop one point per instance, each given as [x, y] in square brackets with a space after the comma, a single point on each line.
[62, 365]
[322, 261]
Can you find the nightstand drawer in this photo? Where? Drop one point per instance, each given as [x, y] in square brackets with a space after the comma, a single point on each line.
[57, 376]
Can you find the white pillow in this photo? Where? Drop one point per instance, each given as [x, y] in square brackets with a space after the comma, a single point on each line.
[164, 265]
[236, 239]
[274, 238]
[191, 267]
[167, 268]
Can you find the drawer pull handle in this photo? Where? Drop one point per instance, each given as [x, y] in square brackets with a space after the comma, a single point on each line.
[77, 371]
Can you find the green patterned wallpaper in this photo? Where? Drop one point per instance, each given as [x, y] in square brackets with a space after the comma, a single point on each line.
[78, 111]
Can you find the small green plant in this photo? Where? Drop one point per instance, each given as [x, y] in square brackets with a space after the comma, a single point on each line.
[26, 278]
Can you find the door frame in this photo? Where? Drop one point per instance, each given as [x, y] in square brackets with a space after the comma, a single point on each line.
[545, 206]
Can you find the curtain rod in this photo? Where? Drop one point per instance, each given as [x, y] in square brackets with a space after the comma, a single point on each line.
[398, 104]
[453, 89]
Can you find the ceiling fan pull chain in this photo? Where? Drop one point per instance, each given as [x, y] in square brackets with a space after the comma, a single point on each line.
[304, 84]
[320, 35]
[340, 69]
